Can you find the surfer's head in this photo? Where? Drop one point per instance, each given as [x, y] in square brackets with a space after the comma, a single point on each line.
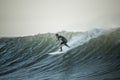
[57, 34]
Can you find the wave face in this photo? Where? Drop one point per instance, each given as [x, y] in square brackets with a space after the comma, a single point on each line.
[95, 56]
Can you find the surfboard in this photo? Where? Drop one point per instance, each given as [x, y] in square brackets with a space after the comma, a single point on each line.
[56, 52]
[60, 52]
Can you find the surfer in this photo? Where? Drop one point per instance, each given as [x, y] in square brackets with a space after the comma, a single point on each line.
[63, 41]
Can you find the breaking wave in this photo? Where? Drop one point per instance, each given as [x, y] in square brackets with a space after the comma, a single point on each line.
[95, 55]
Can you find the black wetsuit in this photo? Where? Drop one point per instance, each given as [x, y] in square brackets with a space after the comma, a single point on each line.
[64, 41]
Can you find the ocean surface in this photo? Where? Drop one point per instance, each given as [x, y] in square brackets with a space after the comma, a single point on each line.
[94, 55]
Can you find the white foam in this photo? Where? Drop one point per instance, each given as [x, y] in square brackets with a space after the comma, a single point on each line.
[80, 39]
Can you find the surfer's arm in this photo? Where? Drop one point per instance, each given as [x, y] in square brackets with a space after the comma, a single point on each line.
[58, 38]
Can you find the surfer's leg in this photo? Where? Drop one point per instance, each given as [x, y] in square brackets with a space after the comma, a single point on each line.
[66, 45]
[61, 46]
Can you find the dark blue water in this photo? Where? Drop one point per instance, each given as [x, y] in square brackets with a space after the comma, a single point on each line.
[96, 57]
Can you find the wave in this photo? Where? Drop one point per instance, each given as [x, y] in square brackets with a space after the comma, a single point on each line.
[95, 55]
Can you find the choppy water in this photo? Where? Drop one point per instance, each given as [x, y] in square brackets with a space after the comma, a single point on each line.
[95, 56]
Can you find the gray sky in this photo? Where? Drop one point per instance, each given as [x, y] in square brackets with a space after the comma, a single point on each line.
[28, 17]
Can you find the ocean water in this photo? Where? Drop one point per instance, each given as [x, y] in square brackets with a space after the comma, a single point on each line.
[94, 55]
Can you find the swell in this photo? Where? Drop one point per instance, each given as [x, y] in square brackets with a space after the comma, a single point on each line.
[22, 52]
[96, 59]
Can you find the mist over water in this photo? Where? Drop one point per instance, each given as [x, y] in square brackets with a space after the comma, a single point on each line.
[95, 55]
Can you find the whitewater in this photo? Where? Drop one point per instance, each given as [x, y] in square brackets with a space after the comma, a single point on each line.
[94, 55]
[80, 39]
